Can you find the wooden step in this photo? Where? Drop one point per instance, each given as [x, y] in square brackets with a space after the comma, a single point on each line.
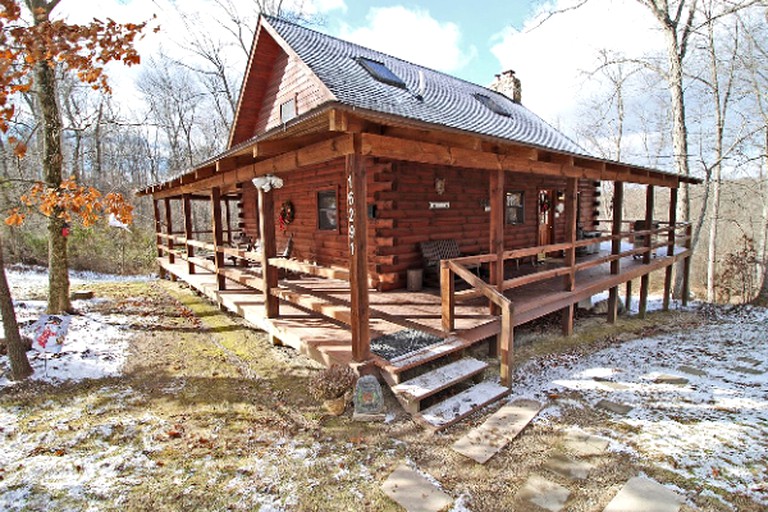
[448, 412]
[398, 365]
[413, 391]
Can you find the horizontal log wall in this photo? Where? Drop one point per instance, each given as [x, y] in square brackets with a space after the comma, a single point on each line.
[401, 192]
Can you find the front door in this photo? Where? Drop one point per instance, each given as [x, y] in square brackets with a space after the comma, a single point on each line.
[546, 217]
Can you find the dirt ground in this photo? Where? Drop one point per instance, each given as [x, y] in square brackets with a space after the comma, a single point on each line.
[208, 415]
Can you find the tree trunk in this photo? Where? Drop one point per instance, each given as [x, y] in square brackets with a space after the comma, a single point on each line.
[761, 299]
[17, 353]
[58, 266]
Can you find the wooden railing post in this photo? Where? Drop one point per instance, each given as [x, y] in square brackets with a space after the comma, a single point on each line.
[447, 297]
[645, 279]
[618, 205]
[670, 246]
[218, 240]
[507, 344]
[687, 265]
[158, 238]
[187, 208]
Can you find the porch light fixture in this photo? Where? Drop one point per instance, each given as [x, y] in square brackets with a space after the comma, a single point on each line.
[268, 182]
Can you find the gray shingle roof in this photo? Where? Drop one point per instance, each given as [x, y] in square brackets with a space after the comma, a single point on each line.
[445, 100]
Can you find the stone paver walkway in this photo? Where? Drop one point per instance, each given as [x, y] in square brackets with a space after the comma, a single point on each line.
[413, 492]
[485, 441]
[544, 493]
[640, 494]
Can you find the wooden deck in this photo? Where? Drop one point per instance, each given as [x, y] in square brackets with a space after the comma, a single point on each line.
[315, 313]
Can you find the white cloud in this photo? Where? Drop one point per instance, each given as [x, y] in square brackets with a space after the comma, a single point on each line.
[552, 59]
[413, 35]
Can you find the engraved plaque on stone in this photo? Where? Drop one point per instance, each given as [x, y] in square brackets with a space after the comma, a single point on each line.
[369, 402]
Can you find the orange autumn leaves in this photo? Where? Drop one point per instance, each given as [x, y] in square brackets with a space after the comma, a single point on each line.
[71, 201]
[83, 49]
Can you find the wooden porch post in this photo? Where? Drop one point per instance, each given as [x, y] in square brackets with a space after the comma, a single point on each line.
[571, 199]
[268, 250]
[158, 238]
[670, 246]
[618, 206]
[169, 230]
[645, 280]
[357, 235]
[228, 220]
[497, 234]
[687, 265]
[628, 292]
[187, 208]
[218, 257]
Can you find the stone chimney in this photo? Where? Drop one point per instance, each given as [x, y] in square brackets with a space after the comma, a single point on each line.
[509, 85]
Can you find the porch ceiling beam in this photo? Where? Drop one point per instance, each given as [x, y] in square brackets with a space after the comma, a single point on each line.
[270, 148]
[319, 152]
[440, 154]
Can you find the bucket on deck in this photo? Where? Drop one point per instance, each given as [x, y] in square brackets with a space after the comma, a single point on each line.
[415, 279]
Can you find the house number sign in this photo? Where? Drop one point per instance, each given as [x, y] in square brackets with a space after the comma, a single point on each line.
[351, 207]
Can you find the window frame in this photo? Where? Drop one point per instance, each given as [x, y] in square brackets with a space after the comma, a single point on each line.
[283, 110]
[519, 208]
[320, 210]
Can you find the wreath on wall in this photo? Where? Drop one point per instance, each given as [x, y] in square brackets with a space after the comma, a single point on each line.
[287, 214]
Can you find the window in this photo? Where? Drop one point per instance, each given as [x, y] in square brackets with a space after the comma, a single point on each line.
[514, 208]
[327, 210]
[288, 110]
[491, 104]
[381, 72]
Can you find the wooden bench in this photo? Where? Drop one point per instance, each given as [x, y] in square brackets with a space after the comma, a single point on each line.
[432, 251]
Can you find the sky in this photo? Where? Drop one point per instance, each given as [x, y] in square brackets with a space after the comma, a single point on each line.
[470, 40]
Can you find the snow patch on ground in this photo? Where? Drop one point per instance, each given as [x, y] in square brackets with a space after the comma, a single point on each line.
[712, 428]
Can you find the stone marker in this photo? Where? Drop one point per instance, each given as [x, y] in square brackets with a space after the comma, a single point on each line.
[413, 492]
[582, 443]
[670, 379]
[613, 407]
[485, 441]
[544, 493]
[643, 495]
[690, 370]
[368, 399]
[567, 467]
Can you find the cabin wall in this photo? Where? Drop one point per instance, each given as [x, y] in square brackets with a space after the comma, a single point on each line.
[401, 193]
[288, 79]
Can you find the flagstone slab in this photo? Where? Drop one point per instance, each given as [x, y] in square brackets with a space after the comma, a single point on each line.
[749, 371]
[565, 466]
[544, 493]
[665, 378]
[749, 360]
[690, 370]
[486, 440]
[614, 407]
[413, 492]
[582, 443]
[641, 494]
[613, 386]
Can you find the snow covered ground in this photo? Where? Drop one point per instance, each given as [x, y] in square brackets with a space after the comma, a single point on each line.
[712, 426]
[95, 346]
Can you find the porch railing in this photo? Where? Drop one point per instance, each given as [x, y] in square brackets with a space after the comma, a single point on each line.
[676, 234]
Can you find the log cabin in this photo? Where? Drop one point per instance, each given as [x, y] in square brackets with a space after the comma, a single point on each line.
[376, 213]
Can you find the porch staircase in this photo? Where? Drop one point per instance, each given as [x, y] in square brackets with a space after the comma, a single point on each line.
[439, 385]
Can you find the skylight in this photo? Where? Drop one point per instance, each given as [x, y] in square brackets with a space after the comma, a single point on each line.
[381, 72]
[491, 104]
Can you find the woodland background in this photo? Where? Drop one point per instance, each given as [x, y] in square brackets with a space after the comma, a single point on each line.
[185, 106]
